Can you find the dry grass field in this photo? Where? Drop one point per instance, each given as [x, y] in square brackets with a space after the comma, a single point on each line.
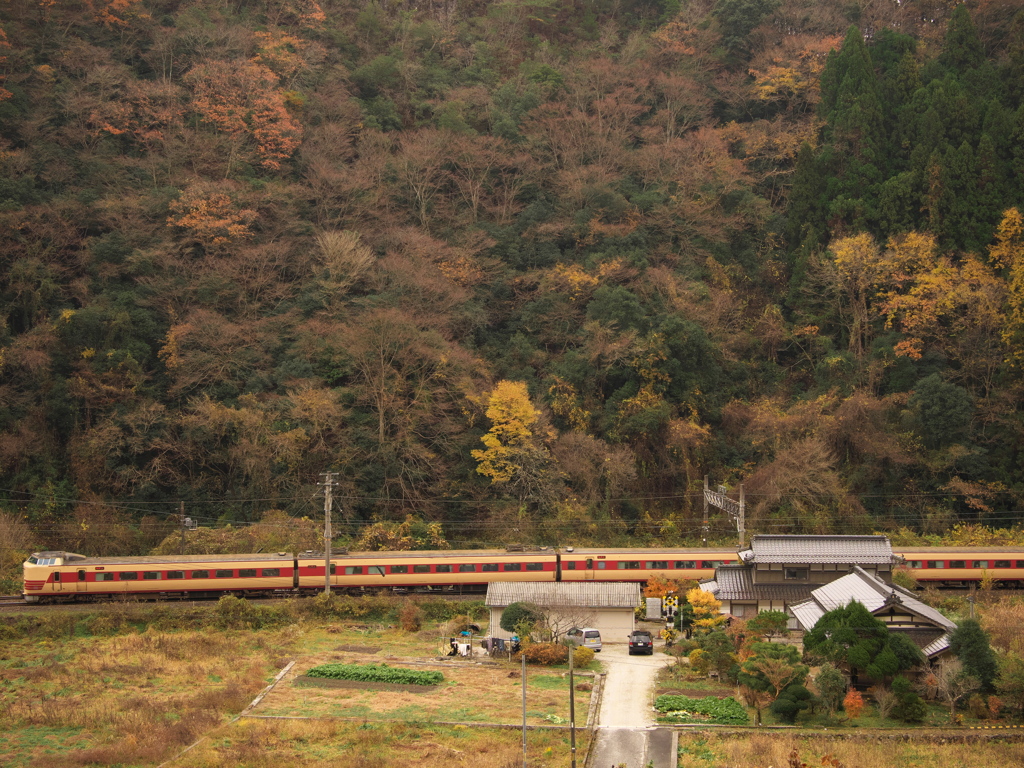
[138, 698]
[763, 750]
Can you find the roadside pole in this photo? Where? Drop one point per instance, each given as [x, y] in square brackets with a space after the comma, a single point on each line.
[522, 655]
[572, 707]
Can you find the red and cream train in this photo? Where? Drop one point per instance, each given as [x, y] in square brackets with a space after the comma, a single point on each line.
[53, 576]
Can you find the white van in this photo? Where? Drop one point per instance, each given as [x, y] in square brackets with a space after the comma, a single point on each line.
[588, 637]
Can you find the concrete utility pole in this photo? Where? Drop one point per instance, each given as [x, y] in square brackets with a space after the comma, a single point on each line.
[328, 487]
[735, 510]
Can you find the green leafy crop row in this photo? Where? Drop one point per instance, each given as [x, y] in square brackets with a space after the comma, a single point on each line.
[374, 673]
[683, 709]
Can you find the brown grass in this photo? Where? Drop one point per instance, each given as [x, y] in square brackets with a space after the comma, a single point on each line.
[705, 750]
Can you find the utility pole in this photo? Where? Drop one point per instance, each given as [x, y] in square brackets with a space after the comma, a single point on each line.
[181, 520]
[522, 654]
[328, 487]
[704, 527]
[572, 707]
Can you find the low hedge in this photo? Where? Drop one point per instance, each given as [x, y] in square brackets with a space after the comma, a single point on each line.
[376, 673]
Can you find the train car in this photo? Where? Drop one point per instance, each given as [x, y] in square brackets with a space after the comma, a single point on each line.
[640, 565]
[466, 570]
[54, 576]
[962, 566]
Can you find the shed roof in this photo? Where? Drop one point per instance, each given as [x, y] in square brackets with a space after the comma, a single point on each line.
[553, 594]
[857, 550]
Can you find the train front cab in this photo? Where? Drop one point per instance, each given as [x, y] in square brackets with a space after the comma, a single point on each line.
[46, 576]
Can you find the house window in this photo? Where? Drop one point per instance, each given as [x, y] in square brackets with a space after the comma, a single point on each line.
[796, 573]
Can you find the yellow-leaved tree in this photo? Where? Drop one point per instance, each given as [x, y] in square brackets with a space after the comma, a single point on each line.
[515, 456]
[706, 609]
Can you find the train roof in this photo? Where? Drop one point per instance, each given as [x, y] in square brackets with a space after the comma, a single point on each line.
[934, 551]
[70, 558]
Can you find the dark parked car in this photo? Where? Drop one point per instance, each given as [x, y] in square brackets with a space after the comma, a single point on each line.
[640, 642]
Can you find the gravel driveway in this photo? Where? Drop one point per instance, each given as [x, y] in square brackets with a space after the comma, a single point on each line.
[626, 719]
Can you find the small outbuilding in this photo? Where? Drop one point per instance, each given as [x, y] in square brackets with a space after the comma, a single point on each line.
[608, 608]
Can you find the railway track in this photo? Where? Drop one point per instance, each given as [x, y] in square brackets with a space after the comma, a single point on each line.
[11, 601]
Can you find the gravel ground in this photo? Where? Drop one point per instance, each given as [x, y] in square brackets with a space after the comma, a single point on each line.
[626, 718]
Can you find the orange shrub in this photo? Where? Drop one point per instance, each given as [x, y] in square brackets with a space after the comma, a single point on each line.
[853, 704]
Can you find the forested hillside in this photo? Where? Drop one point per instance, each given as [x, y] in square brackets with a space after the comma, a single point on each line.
[528, 269]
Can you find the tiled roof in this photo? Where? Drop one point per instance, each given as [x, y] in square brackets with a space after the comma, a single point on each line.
[936, 647]
[868, 590]
[547, 594]
[735, 582]
[857, 550]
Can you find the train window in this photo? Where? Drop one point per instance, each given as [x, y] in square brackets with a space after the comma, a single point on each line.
[151, 575]
[421, 569]
[630, 565]
[200, 574]
[443, 568]
[979, 564]
[56, 577]
[657, 564]
[224, 574]
[271, 571]
[936, 563]
[513, 567]
[104, 577]
[570, 566]
[81, 575]
[1020, 563]
[796, 573]
[956, 563]
[915, 564]
[399, 568]
[535, 566]
[712, 563]
[375, 570]
[467, 568]
[247, 573]
[128, 576]
[1001, 564]
[175, 574]
[353, 570]
[489, 567]
[685, 564]
[334, 569]
[602, 564]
